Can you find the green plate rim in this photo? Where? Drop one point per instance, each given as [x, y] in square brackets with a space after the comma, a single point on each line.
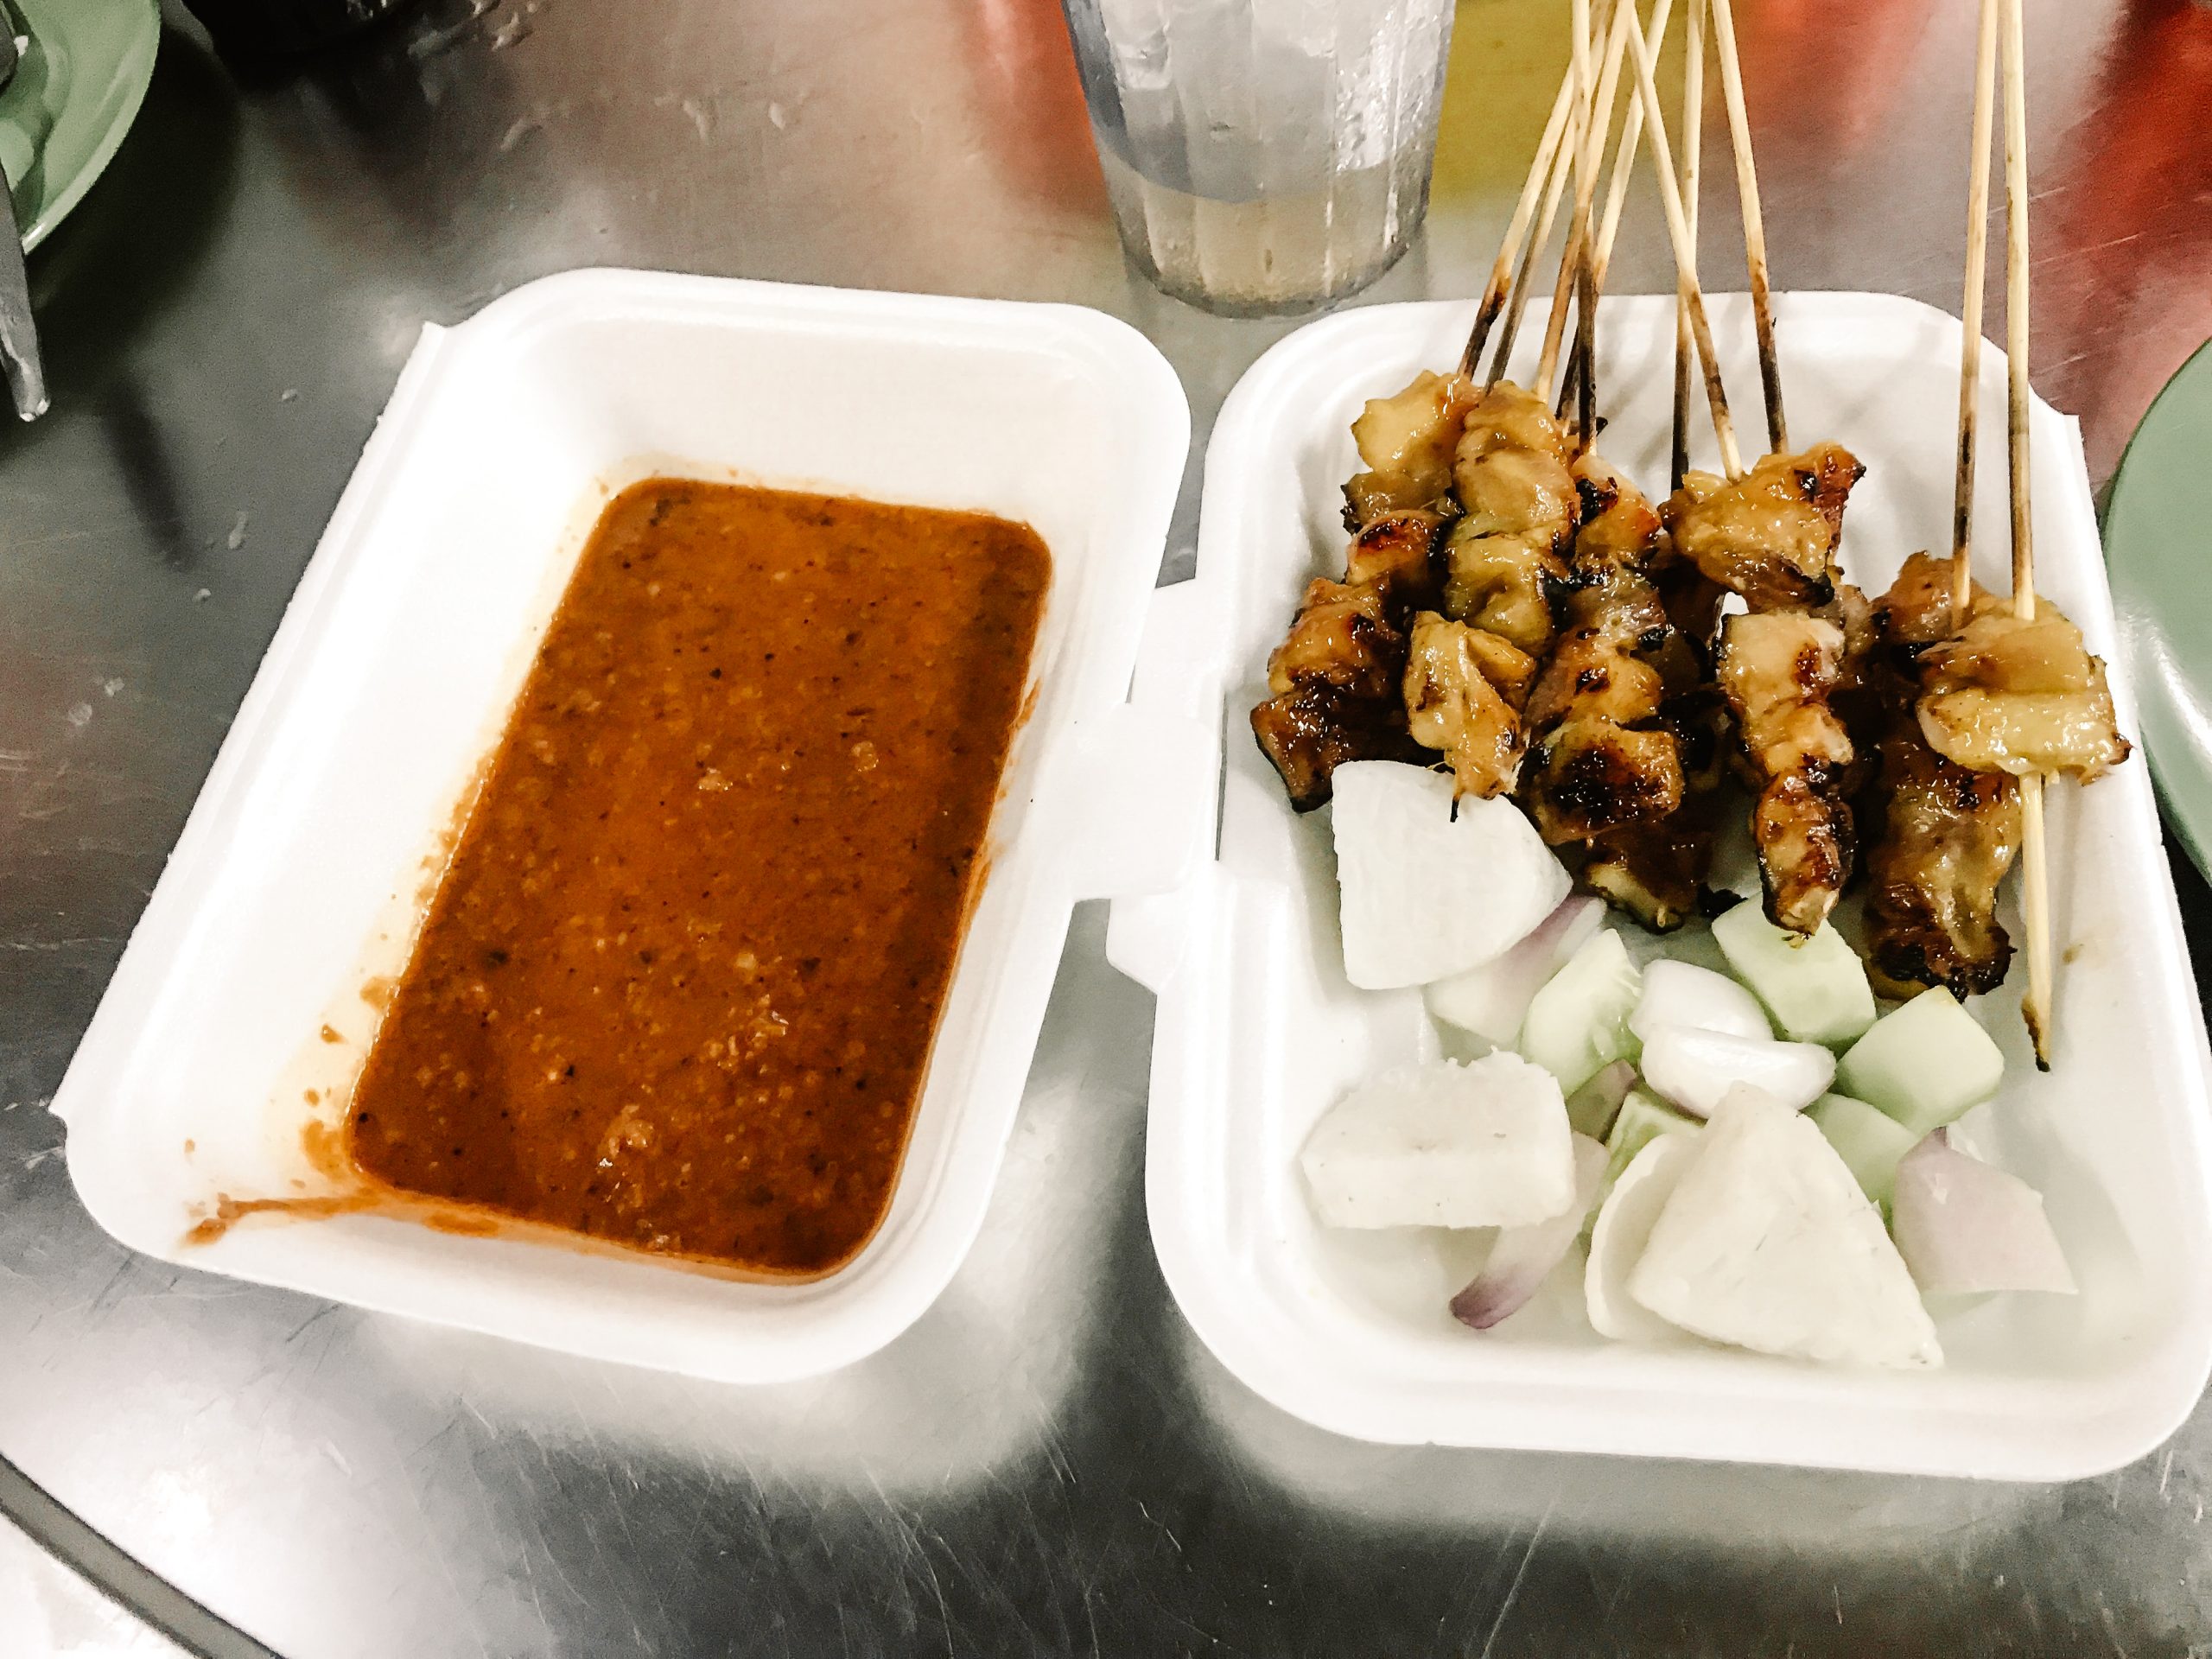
[125, 76]
[2184, 782]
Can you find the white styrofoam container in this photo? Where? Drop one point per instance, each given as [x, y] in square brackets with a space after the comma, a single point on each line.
[303, 862]
[1259, 1031]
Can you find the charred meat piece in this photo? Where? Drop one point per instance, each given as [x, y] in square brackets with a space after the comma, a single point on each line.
[1313, 729]
[1779, 670]
[1464, 691]
[1915, 612]
[1601, 757]
[1503, 584]
[1617, 529]
[1335, 683]
[1505, 555]
[2020, 696]
[1656, 872]
[1945, 838]
[1397, 553]
[1770, 535]
[1343, 637]
[1406, 442]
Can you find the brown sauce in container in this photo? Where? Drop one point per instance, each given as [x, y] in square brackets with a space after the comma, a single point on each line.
[677, 988]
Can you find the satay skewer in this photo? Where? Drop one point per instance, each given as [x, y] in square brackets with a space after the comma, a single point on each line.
[2035, 876]
[1693, 27]
[1509, 247]
[1747, 187]
[1685, 258]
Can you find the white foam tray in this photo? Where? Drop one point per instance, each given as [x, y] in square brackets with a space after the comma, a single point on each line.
[1259, 1031]
[298, 871]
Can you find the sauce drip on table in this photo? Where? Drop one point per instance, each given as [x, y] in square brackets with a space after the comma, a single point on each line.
[677, 988]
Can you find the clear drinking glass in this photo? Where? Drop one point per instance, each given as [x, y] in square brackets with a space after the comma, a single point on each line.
[1263, 156]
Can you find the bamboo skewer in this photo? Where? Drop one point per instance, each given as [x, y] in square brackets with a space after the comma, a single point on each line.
[2035, 878]
[1561, 168]
[1586, 94]
[1984, 95]
[1509, 247]
[1685, 258]
[1599, 112]
[1625, 152]
[1747, 187]
[1692, 143]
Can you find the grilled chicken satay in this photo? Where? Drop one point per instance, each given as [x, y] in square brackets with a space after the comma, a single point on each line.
[1602, 757]
[1474, 662]
[1464, 691]
[1407, 443]
[1779, 670]
[1464, 650]
[1945, 839]
[1945, 835]
[2020, 696]
[1505, 555]
[1335, 682]
[1771, 536]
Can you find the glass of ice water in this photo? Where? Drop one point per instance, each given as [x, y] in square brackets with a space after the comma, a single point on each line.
[1264, 157]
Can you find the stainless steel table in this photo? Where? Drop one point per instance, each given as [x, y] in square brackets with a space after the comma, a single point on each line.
[1048, 1463]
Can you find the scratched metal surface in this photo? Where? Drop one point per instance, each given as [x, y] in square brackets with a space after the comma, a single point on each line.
[1047, 1462]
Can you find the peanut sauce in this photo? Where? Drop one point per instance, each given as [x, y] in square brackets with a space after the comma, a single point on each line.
[678, 987]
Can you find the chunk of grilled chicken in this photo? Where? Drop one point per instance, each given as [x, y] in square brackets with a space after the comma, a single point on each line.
[1856, 700]
[1407, 443]
[1915, 612]
[2020, 696]
[1313, 728]
[1506, 553]
[1943, 836]
[1778, 671]
[1464, 692]
[1656, 872]
[1503, 584]
[1601, 757]
[1944, 839]
[1617, 527]
[1770, 535]
[1510, 468]
[1337, 680]
[1397, 552]
[1343, 636]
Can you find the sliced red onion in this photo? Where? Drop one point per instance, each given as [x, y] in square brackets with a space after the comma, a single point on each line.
[1523, 1257]
[1696, 1069]
[1965, 1227]
[1683, 993]
[1490, 1000]
[1591, 1109]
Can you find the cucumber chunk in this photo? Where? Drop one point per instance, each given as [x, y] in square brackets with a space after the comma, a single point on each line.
[1869, 1141]
[1579, 1022]
[1815, 988]
[1643, 1118]
[1924, 1064]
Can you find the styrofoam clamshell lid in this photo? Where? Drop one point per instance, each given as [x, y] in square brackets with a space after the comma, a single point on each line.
[390, 678]
[1259, 1033]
